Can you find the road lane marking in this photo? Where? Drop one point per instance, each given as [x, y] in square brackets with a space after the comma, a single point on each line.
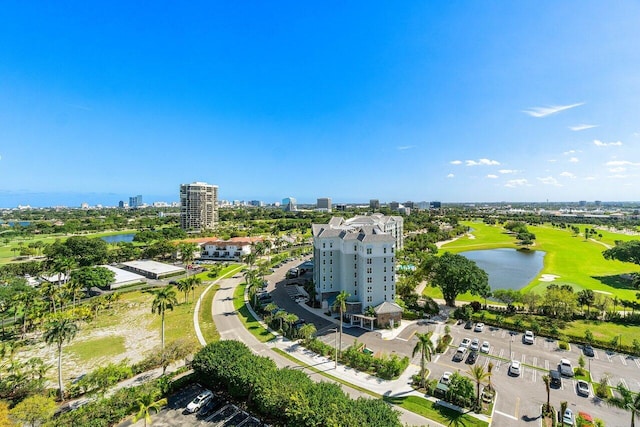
[623, 360]
[505, 415]
[517, 407]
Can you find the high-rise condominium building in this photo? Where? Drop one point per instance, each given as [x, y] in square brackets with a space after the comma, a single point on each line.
[135, 201]
[198, 206]
[289, 204]
[357, 256]
[324, 204]
[374, 204]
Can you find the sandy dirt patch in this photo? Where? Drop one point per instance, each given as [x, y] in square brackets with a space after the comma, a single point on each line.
[548, 277]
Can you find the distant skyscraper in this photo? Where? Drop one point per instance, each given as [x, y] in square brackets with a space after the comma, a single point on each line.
[582, 203]
[324, 204]
[289, 204]
[408, 204]
[374, 204]
[394, 206]
[198, 206]
[598, 203]
[135, 201]
[436, 205]
[121, 204]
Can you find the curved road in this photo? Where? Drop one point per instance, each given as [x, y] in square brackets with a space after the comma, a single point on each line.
[231, 328]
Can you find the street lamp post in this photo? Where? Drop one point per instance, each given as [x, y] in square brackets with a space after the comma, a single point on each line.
[335, 366]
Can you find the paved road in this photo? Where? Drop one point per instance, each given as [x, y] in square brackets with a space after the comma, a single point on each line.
[230, 327]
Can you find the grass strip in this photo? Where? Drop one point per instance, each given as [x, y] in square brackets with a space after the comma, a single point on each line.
[432, 411]
[247, 319]
[205, 317]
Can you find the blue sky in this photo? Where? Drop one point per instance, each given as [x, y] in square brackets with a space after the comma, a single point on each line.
[452, 101]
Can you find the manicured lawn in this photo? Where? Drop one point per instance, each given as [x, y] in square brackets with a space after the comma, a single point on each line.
[247, 319]
[577, 262]
[207, 326]
[98, 347]
[429, 409]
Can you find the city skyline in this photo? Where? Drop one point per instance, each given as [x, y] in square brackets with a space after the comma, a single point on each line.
[452, 102]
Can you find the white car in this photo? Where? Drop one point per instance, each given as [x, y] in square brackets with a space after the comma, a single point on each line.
[475, 345]
[583, 388]
[514, 369]
[529, 338]
[567, 417]
[465, 343]
[199, 401]
[565, 367]
[445, 377]
[485, 347]
[479, 327]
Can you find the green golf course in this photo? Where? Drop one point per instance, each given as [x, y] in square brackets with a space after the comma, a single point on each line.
[569, 259]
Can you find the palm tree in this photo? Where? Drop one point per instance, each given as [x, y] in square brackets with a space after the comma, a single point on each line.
[51, 291]
[307, 331]
[63, 265]
[547, 385]
[280, 316]
[147, 404]
[190, 284]
[165, 300]
[478, 374]
[186, 253]
[290, 319]
[627, 400]
[425, 347]
[489, 369]
[341, 305]
[58, 332]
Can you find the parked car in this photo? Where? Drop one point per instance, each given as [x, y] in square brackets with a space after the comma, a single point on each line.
[473, 356]
[588, 351]
[567, 417]
[445, 377]
[460, 352]
[485, 347]
[514, 369]
[468, 325]
[199, 401]
[528, 338]
[582, 388]
[556, 378]
[475, 345]
[465, 342]
[565, 367]
[479, 327]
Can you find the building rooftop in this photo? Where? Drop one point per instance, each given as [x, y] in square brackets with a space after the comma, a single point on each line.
[156, 267]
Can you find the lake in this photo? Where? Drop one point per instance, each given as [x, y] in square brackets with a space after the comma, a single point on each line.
[116, 238]
[508, 268]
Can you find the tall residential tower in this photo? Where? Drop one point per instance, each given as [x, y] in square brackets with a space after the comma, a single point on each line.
[198, 206]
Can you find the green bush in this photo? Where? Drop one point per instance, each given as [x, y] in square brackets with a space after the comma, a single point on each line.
[563, 345]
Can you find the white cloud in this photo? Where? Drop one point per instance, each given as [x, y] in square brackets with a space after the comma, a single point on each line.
[618, 169]
[566, 153]
[513, 183]
[492, 176]
[549, 180]
[618, 176]
[456, 162]
[574, 160]
[482, 162]
[582, 127]
[590, 178]
[567, 175]
[546, 111]
[450, 175]
[599, 143]
[406, 147]
[621, 163]
[505, 171]
[552, 160]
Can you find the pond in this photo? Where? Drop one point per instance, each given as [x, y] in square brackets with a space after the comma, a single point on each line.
[116, 238]
[508, 268]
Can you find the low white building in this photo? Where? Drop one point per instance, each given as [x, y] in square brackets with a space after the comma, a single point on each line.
[152, 269]
[123, 277]
[225, 250]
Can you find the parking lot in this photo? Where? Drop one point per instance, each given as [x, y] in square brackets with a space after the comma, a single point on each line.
[217, 412]
[520, 397]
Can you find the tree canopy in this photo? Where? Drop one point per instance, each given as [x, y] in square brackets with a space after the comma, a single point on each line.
[454, 275]
[624, 251]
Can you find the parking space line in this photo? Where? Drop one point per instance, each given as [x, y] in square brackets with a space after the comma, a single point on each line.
[505, 415]
[501, 353]
[595, 356]
[609, 357]
[637, 362]
[623, 360]
[546, 365]
[523, 358]
[533, 378]
[624, 383]
[503, 334]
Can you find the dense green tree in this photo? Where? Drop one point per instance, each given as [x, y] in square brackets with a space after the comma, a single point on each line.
[507, 296]
[454, 275]
[34, 410]
[624, 251]
[478, 375]
[165, 299]
[58, 332]
[90, 277]
[586, 297]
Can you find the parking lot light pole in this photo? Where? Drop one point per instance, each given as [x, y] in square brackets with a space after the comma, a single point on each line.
[335, 366]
